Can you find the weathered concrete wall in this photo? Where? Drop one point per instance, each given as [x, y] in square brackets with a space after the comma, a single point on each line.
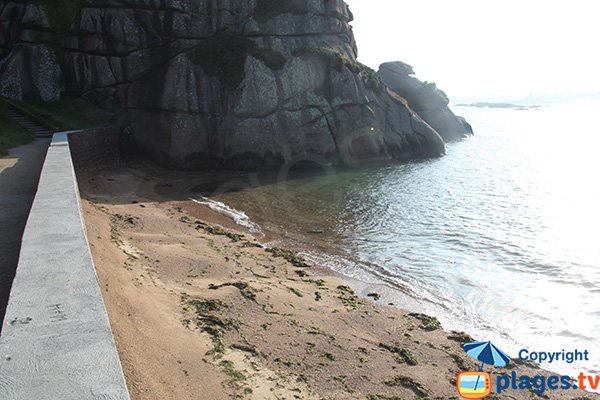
[95, 147]
[57, 342]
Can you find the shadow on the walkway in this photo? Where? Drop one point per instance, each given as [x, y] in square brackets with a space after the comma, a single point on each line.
[19, 177]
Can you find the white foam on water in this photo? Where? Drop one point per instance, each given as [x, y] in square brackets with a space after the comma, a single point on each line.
[239, 217]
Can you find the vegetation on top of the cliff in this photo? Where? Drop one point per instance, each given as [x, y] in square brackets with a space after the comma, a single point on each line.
[224, 55]
[338, 61]
[11, 135]
[267, 9]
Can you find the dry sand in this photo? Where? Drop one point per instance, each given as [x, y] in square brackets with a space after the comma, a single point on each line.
[202, 312]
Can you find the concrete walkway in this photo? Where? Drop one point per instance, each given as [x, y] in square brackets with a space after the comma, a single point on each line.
[57, 342]
[19, 176]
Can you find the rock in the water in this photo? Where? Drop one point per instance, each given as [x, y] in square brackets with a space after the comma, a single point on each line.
[426, 99]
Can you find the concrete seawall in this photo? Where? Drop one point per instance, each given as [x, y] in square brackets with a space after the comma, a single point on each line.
[56, 341]
[95, 147]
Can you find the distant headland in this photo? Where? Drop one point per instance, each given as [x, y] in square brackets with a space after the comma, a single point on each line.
[482, 104]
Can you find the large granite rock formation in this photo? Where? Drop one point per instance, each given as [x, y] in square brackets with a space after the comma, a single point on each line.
[213, 83]
[426, 99]
[29, 68]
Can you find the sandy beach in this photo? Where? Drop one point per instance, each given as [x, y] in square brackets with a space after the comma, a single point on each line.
[200, 310]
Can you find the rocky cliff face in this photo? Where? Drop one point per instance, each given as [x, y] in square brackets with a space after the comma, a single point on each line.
[426, 99]
[236, 83]
[29, 68]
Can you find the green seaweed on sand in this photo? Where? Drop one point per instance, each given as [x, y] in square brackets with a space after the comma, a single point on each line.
[217, 230]
[349, 299]
[410, 384]
[290, 256]
[401, 355]
[460, 337]
[229, 369]
[245, 290]
[383, 397]
[317, 282]
[205, 306]
[207, 321]
[245, 348]
[427, 323]
[236, 383]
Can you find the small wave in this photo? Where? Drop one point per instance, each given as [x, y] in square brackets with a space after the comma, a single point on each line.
[239, 217]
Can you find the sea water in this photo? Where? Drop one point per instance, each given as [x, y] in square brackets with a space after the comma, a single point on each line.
[499, 238]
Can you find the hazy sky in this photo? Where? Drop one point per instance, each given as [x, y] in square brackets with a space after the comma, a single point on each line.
[496, 49]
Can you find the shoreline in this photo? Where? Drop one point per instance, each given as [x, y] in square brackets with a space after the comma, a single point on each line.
[199, 308]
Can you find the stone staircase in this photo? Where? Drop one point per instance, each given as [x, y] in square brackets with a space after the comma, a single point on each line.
[28, 122]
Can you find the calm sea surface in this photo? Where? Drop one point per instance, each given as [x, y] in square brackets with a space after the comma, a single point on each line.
[499, 238]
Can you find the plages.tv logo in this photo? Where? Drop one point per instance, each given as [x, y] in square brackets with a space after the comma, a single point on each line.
[478, 384]
[474, 385]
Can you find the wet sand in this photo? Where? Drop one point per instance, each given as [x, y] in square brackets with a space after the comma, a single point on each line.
[200, 310]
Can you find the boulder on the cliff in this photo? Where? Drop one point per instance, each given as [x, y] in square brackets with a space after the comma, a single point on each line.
[29, 68]
[425, 99]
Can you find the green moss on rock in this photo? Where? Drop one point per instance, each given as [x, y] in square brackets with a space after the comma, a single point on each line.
[62, 15]
[223, 55]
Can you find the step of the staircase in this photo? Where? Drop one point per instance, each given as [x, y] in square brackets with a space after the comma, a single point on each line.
[28, 122]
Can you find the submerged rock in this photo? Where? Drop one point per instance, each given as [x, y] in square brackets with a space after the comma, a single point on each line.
[426, 99]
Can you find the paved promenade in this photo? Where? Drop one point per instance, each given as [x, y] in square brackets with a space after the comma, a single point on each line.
[56, 341]
[19, 175]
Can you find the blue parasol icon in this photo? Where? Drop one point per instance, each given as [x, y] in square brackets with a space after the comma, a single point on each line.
[486, 353]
